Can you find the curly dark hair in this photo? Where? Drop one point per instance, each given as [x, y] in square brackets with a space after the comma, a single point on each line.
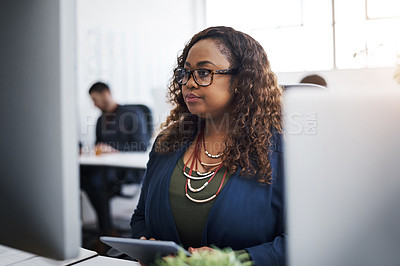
[256, 111]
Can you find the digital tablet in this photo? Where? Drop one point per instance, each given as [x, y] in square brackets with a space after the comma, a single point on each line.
[145, 251]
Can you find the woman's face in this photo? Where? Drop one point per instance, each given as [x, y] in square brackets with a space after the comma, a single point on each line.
[213, 101]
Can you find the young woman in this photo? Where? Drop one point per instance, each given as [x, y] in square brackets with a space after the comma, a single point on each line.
[215, 174]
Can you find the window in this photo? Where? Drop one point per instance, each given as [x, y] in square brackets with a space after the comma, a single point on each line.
[367, 33]
[301, 35]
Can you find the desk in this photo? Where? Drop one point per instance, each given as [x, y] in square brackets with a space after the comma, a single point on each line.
[106, 261]
[134, 160]
[12, 256]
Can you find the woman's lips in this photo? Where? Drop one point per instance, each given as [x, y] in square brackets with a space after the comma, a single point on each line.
[191, 98]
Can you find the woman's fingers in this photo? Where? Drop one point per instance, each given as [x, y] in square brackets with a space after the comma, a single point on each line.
[144, 238]
[191, 250]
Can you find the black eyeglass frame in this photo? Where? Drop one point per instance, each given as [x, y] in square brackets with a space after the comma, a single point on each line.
[212, 72]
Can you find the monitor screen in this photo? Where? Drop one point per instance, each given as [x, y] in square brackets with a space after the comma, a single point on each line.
[39, 181]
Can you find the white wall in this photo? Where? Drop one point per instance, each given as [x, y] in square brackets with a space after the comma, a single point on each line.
[372, 78]
[132, 45]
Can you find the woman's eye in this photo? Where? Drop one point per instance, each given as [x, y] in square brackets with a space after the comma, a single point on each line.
[203, 73]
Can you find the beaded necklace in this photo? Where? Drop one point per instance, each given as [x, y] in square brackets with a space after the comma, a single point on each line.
[195, 157]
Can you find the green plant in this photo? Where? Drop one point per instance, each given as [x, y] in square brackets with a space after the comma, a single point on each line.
[217, 257]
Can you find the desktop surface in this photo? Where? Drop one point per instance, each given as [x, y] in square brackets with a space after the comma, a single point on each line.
[119, 159]
[10, 256]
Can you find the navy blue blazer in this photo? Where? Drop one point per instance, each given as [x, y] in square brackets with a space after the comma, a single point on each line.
[245, 214]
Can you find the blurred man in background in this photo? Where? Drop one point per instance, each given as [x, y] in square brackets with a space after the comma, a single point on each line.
[119, 128]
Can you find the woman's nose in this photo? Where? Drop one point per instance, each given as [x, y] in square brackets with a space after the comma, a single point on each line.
[191, 82]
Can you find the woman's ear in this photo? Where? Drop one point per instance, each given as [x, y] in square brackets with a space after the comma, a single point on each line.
[234, 85]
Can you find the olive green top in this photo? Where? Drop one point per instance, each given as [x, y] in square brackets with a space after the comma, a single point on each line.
[191, 217]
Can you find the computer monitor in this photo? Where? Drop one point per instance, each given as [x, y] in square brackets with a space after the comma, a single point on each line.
[342, 151]
[39, 183]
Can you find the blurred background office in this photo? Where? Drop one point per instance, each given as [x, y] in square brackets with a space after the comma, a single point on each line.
[132, 45]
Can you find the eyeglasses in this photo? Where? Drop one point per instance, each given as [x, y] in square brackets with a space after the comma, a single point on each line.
[202, 77]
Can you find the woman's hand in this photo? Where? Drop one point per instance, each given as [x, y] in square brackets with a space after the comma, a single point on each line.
[193, 250]
[144, 238]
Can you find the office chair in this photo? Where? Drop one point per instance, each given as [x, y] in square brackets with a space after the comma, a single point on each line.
[125, 177]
